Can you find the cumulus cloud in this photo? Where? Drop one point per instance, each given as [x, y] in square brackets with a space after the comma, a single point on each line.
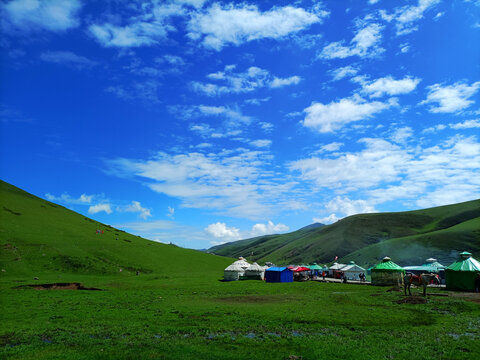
[326, 118]
[268, 228]
[221, 231]
[400, 135]
[261, 143]
[346, 71]
[384, 172]
[365, 43]
[136, 207]
[450, 98]
[406, 17]
[388, 86]
[94, 209]
[67, 58]
[467, 124]
[231, 82]
[65, 198]
[222, 25]
[237, 183]
[33, 15]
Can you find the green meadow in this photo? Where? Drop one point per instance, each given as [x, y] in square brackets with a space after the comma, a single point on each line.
[177, 307]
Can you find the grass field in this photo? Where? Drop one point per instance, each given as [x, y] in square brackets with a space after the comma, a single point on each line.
[177, 307]
[153, 318]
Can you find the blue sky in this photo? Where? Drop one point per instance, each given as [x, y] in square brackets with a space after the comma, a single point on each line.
[201, 122]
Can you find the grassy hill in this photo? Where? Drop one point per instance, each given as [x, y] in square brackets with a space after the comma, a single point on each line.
[39, 238]
[408, 237]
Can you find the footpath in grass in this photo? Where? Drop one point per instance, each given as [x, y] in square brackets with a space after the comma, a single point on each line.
[150, 317]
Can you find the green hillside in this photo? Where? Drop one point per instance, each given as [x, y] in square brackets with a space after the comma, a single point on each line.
[408, 237]
[39, 238]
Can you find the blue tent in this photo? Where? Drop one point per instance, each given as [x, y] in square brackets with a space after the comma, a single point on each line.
[278, 274]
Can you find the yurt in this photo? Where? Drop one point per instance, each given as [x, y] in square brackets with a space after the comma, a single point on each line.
[387, 273]
[335, 267]
[233, 272]
[254, 272]
[278, 274]
[242, 262]
[352, 271]
[462, 273]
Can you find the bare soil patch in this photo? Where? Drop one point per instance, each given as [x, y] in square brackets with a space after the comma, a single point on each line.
[468, 296]
[412, 300]
[57, 286]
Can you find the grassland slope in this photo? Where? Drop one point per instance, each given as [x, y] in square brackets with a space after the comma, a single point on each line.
[38, 237]
[406, 236]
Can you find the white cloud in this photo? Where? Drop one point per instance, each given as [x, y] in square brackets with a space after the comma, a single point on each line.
[266, 126]
[406, 17]
[404, 48]
[434, 129]
[65, 198]
[67, 58]
[365, 43]
[384, 172]
[467, 124]
[279, 82]
[145, 91]
[326, 118]
[451, 98]
[400, 135]
[219, 25]
[237, 183]
[389, 86]
[134, 35]
[51, 15]
[343, 72]
[331, 147]
[267, 229]
[348, 207]
[136, 207]
[99, 208]
[221, 231]
[261, 143]
[253, 78]
[330, 219]
[171, 212]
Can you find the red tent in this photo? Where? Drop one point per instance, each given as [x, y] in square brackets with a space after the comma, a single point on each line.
[301, 268]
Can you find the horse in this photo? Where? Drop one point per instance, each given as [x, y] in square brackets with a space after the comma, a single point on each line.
[419, 280]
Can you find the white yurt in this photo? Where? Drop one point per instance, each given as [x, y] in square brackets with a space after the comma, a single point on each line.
[233, 272]
[335, 267]
[352, 271]
[255, 271]
[242, 263]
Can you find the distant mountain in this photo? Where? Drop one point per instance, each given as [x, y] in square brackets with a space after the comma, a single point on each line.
[407, 237]
[40, 238]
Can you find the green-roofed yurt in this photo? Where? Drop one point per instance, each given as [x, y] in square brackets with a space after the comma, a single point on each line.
[387, 273]
[462, 273]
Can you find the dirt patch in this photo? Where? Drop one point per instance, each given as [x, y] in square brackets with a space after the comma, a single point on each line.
[255, 299]
[57, 286]
[395, 288]
[468, 296]
[411, 300]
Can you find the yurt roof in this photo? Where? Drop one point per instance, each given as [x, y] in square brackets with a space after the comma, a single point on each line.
[255, 267]
[353, 267]
[337, 266]
[387, 265]
[234, 267]
[242, 262]
[465, 263]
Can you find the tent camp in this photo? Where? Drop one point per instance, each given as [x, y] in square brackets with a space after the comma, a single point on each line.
[352, 271]
[315, 269]
[278, 274]
[233, 272]
[387, 273]
[254, 272]
[462, 273]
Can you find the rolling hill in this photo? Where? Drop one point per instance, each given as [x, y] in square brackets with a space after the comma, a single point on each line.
[408, 237]
[39, 238]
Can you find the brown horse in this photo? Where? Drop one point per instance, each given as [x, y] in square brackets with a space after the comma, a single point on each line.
[419, 280]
